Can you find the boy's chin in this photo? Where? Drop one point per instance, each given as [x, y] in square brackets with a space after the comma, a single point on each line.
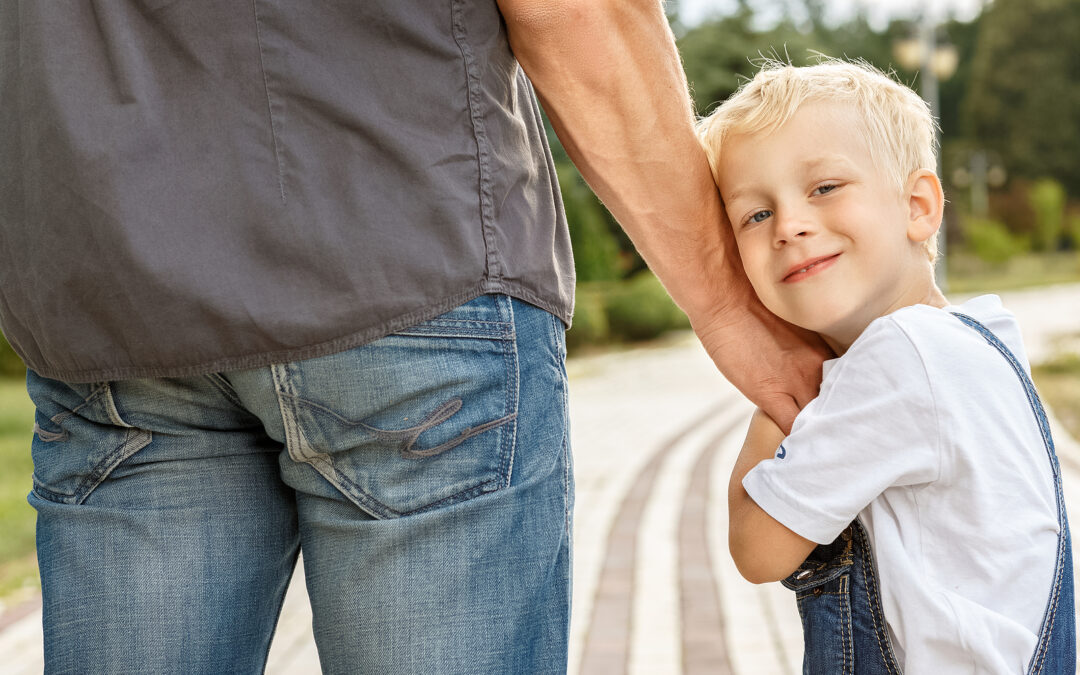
[807, 320]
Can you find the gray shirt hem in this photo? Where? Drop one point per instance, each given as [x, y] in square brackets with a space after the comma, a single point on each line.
[339, 344]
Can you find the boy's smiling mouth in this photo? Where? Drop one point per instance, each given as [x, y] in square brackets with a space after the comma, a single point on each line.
[809, 268]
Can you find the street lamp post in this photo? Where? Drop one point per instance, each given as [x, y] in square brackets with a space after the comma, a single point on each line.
[935, 62]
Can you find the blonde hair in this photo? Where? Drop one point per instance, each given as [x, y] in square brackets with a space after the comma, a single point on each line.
[899, 127]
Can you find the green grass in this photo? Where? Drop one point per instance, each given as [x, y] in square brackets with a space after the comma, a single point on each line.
[18, 570]
[968, 274]
[1058, 382]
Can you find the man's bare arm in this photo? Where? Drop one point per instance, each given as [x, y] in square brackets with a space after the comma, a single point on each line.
[609, 77]
[762, 548]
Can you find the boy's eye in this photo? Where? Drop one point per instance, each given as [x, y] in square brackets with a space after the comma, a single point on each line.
[759, 216]
[823, 189]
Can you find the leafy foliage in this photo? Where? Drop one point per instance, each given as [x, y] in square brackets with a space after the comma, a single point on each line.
[1024, 97]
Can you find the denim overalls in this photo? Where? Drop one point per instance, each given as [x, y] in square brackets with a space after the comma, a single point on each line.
[838, 595]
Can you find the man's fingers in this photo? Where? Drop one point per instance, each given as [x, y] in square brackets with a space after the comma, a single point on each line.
[807, 389]
[782, 409]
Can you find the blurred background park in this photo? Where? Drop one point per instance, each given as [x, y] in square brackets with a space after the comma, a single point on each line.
[1004, 79]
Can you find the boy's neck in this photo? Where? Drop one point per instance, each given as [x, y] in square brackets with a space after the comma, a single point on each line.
[932, 297]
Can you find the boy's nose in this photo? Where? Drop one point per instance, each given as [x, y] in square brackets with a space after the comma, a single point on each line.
[790, 228]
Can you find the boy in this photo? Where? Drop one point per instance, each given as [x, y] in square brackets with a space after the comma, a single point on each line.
[915, 507]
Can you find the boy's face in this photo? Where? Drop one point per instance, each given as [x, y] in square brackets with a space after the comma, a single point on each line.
[826, 239]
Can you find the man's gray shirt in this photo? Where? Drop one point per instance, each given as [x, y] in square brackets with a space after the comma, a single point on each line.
[190, 186]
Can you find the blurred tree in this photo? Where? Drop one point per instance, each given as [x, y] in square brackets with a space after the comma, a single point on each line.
[1024, 97]
[596, 250]
[721, 54]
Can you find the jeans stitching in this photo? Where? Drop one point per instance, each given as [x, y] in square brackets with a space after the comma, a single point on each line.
[1043, 648]
[467, 328]
[846, 644]
[877, 617]
[411, 434]
[346, 485]
[222, 385]
[324, 465]
[511, 366]
[280, 379]
[555, 325]
[134, 440]
[110, 406]
[295, 443]
[47, 436]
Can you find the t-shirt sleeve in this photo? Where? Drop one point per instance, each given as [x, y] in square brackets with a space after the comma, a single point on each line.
[873, 427]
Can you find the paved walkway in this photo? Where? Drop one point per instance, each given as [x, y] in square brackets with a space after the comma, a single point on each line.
[655, 433]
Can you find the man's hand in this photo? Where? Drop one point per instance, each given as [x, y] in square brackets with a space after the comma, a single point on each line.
[609, 77]
[773, 363]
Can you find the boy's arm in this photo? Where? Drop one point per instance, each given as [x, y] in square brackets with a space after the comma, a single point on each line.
[763, 549]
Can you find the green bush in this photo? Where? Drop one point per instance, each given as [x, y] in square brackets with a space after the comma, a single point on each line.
[10, 364]
[640, 309]
[1073, 229]
[590, 325]
[1047, 199]
[991, 241]
[596, 250]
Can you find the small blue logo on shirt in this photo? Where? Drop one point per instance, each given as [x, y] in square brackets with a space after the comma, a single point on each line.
[781, 453]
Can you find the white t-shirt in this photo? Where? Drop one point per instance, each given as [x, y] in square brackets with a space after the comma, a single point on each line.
[924, 431]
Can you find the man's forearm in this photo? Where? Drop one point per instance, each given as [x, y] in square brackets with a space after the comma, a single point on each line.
[611, 82]
[610, 79]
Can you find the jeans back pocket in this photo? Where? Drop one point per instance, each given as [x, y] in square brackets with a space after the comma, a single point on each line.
[79, 437]
[419, 419]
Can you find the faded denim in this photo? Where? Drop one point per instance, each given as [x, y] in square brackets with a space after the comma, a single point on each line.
[426, 477]
[837, 590]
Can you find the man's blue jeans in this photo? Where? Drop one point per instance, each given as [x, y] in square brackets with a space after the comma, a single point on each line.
[426, 476]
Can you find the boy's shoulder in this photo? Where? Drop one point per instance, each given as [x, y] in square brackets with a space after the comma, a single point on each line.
[940, 329]
[933, 340]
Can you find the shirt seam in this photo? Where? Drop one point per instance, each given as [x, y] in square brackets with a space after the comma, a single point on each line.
[472, 88]
[269, 103]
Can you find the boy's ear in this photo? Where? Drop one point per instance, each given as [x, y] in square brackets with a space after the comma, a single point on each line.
[926, 204]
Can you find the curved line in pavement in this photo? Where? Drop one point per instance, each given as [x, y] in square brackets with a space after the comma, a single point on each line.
[607, 643]
[704, 648]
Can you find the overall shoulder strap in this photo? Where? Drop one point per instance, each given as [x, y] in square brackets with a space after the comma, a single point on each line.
[1063, 569]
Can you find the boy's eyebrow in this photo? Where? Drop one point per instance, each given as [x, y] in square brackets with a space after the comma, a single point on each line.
[814, 162]
[734, 194]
